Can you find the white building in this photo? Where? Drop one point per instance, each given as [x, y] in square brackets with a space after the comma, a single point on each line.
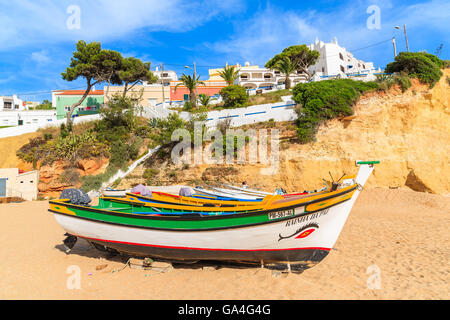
[336, 61]
[8, 103]
[254, 77]
[16, 183]
[164, 77]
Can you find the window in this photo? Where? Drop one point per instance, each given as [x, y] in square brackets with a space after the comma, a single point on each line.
[323, 69]
[185, 97]
[341, 56]
[7, 105]
[342, 69]
[16, 106]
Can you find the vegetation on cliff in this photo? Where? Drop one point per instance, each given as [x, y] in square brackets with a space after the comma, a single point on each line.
[325, 100]
[424, 66]
[119, 136]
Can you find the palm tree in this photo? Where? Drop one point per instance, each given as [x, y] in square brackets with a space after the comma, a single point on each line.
[229, 74]
[286, 66]
[205, 100]
[191, 83]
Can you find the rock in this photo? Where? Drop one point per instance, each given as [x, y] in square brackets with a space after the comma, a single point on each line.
[93, 166]
[209, 268]
[138, 264]
[162, 266]
[50, 183]
[416, 184]
[279, 274]
[101, 267]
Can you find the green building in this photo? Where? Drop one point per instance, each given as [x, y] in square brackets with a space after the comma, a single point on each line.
[63, 99]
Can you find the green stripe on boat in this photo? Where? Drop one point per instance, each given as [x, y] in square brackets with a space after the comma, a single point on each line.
[368, 162]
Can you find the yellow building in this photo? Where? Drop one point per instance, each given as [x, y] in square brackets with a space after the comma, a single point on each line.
[151, 94]
[14, 183]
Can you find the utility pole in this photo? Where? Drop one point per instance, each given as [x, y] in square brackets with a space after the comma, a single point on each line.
[162, 86]
[195, 79]
[406, 37]
[395, 49]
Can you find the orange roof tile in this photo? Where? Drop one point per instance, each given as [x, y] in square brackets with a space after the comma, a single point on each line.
[76, 92]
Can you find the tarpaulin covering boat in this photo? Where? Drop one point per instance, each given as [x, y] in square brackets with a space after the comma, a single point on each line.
[296, 235]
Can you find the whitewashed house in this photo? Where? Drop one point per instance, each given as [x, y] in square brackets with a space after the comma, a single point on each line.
[336, 61]
[9, 103]
[254, 77]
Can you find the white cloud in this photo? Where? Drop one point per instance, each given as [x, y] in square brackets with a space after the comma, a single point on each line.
[272, 29]
[25, 22]
[41, 57]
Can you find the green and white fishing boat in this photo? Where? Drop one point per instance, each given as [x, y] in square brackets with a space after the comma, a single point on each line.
[294, 237]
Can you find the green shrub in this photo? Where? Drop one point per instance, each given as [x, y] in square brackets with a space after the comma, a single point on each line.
[424, 66]
[165, 128]
[188, 106]
[234, 96]
[325, 100]
[385, 82]
[92, 182]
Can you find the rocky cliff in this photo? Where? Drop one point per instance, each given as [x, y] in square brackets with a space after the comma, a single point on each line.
[408, 132]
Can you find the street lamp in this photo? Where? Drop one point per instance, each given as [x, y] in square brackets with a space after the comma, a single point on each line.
[406, 37]
[395, 49]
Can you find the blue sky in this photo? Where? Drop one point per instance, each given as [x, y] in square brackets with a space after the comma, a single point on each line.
[36, 44]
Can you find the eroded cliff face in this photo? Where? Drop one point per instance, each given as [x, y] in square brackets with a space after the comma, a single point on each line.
[408, 132]
[63, 175]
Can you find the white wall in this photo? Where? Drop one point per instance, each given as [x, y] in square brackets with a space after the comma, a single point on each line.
[280, 111]
[27, 128]
[39, 117]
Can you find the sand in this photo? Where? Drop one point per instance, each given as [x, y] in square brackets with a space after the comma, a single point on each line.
[403, 234]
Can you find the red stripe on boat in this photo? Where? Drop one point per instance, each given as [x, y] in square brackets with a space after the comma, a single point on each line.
[166, 194]
[211, 249]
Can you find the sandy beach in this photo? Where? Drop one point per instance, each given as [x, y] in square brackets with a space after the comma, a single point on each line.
[402, 233]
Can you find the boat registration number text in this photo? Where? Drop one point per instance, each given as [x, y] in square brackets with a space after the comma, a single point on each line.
[281, 214]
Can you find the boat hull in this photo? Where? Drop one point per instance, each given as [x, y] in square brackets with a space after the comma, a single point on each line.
[297, 242]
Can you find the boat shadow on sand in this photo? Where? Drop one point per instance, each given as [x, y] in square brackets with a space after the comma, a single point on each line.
[86, 249]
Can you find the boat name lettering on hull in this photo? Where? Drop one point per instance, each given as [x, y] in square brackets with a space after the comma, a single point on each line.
[306, 218]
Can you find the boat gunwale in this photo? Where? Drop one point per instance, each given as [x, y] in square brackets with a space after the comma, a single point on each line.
[295, 216]
[237, 212]
[191, 216]
[252, 208]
